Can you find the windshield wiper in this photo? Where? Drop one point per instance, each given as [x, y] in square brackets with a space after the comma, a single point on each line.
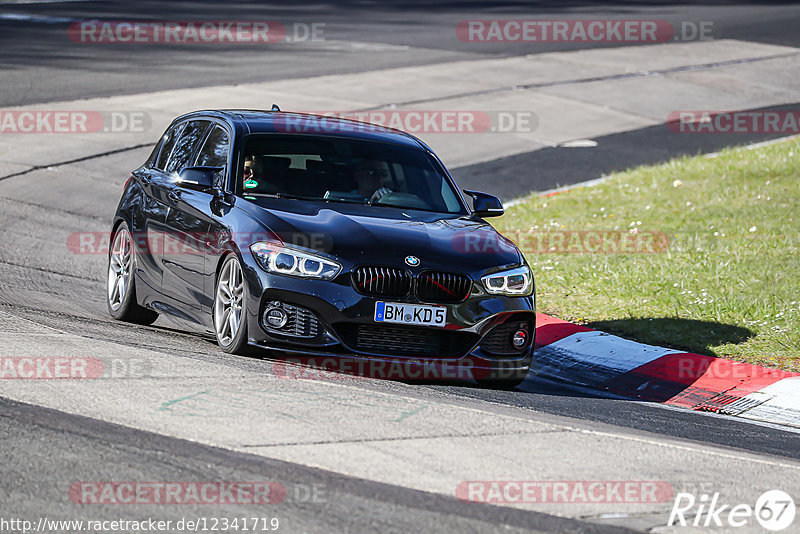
[346, 201]
[284, 195]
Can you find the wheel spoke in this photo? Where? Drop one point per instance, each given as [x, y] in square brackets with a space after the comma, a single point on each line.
[217, 321]
[118, 290]
[234, 323]
[123, 287]
[226, 323]
[115, 264]
[113, 290]
[225, 293]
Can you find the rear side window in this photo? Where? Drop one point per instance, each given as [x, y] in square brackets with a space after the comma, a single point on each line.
[185, 147]
[215, 150]
[167, 144]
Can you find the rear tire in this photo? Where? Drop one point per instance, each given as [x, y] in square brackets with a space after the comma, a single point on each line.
[120, 284]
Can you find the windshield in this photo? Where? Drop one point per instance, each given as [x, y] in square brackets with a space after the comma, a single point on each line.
[344, 170]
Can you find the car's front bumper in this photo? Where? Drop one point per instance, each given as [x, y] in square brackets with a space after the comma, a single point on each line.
[343, 315]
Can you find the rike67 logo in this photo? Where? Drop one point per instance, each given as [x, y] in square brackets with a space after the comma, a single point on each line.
[774, 510]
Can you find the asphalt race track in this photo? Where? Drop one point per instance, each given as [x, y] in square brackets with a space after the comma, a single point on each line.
[360, 437]
[40, 64]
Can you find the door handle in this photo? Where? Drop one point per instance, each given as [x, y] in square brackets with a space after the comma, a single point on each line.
[174, 196]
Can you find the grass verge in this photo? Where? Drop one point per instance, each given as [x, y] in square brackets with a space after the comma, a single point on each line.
[699, 254]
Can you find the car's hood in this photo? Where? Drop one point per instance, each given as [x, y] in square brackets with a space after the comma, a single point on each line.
[364, 234]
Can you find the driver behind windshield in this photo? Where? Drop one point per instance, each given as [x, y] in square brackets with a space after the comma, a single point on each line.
[371, 178]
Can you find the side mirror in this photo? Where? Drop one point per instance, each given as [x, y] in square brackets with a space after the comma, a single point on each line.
[485, 205]
[201, 178]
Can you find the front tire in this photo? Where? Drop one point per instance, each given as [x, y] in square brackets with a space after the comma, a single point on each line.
[121, 289]
[230, 308]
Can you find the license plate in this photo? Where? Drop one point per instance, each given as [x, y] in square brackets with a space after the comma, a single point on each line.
[416, 314]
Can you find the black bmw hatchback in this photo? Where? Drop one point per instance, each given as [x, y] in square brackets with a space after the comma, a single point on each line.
[309, 235]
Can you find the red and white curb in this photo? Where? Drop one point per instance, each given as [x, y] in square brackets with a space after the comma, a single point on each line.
[597, 360]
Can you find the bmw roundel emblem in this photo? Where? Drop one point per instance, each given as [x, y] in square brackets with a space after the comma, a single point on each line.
[413, 261]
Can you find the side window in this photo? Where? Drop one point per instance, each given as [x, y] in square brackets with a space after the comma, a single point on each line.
[167, 143]
[184, 148]
[215, 150]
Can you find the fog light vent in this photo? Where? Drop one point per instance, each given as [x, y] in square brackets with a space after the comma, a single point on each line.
[507, 339]
[289, 320]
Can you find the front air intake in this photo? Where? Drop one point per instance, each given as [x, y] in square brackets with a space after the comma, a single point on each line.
[434, 286]
[382, 281]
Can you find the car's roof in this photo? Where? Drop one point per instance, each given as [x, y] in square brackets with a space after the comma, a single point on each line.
[259, 121]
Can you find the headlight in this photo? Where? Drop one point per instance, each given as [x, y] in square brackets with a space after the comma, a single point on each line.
[516, 282]
[280, 259]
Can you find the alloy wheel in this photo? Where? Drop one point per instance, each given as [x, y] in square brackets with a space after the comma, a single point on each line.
[119, 268]
[228, 302]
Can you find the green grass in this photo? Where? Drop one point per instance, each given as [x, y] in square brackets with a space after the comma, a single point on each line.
[727, 285]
